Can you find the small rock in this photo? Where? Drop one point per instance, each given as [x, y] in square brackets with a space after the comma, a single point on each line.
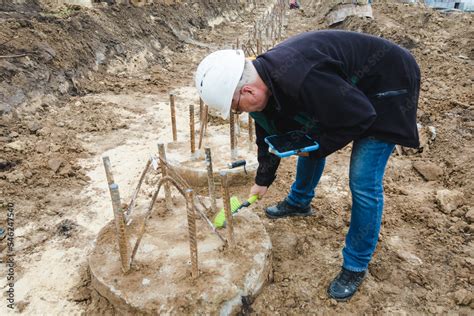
[400, 249]
[66, 228]
[428, 170]
[156, 45]
[63, 87]
[432, 132]
[449, 200]
[15, 177]
[6, 165]
[55, 163]
[66, 170]
[409, 257]
[470, 216]
[16, 145]
[55, 148]
[42, 147]
[463, 297]
[470, 229]
[21, 305]
[14, 134]
[380, 272]
[81, 295]
[5, 139]
[459, 227]
[290, 302]
[28, 174]
[458, 213]
[34, 126]
[44, 182]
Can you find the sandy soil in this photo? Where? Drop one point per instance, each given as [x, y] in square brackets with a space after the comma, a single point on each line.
[72, 102]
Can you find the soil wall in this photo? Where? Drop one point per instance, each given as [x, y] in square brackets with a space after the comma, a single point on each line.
[55, 51]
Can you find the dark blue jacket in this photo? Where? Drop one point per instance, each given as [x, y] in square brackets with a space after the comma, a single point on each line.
[346, 86]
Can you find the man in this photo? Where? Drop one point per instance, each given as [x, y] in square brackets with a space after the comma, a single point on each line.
[338, 87]
[294, 4]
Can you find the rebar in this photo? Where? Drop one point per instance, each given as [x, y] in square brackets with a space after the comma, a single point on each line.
[210, 179]
[180, 181]
[232, 134]
[246, 52]
[129, 211]
[110, 180]
[164, 173]
[108, 170]
[191, 128]
[141, 231]
[192, 232]
[206, 113]
[201, 109]
[272, 25]
[203, 128]
[280, 25]
[227, 209]
[173, 118]
[120, 229]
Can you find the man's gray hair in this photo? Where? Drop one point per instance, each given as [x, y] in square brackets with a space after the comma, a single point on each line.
[249, 75]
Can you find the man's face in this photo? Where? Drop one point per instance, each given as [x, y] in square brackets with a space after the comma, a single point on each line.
[249, 99]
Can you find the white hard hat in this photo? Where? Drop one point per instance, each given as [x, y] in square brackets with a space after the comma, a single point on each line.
[217, 77]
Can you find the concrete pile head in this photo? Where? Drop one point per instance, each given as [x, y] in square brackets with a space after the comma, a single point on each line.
[160, 279]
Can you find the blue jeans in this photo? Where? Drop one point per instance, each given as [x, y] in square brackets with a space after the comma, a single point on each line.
[368, 160]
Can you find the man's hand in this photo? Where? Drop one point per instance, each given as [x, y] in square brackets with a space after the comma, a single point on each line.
[305, 154]
[259, 190]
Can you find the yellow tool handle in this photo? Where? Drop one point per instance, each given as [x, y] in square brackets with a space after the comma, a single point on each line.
[253, 198]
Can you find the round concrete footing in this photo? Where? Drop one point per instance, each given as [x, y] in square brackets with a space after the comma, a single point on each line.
[160, 279]
[192, 167]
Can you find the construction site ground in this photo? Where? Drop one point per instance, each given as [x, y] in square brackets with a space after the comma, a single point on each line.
[92, 84]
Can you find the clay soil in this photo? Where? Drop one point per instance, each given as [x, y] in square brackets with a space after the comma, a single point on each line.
[90, 82]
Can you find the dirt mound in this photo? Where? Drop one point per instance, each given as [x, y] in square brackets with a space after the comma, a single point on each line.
[441, 43]
[66, 52]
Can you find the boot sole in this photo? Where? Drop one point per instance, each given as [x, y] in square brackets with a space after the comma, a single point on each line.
[342, 300]
[310, 213]
[345, 299]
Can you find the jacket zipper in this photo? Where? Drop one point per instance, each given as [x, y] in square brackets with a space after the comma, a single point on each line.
[392, 93]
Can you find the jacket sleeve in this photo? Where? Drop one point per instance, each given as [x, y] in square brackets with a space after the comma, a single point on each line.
[267, 162]
[342, 111]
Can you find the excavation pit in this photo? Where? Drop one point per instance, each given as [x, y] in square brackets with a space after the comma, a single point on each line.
[160, 279]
